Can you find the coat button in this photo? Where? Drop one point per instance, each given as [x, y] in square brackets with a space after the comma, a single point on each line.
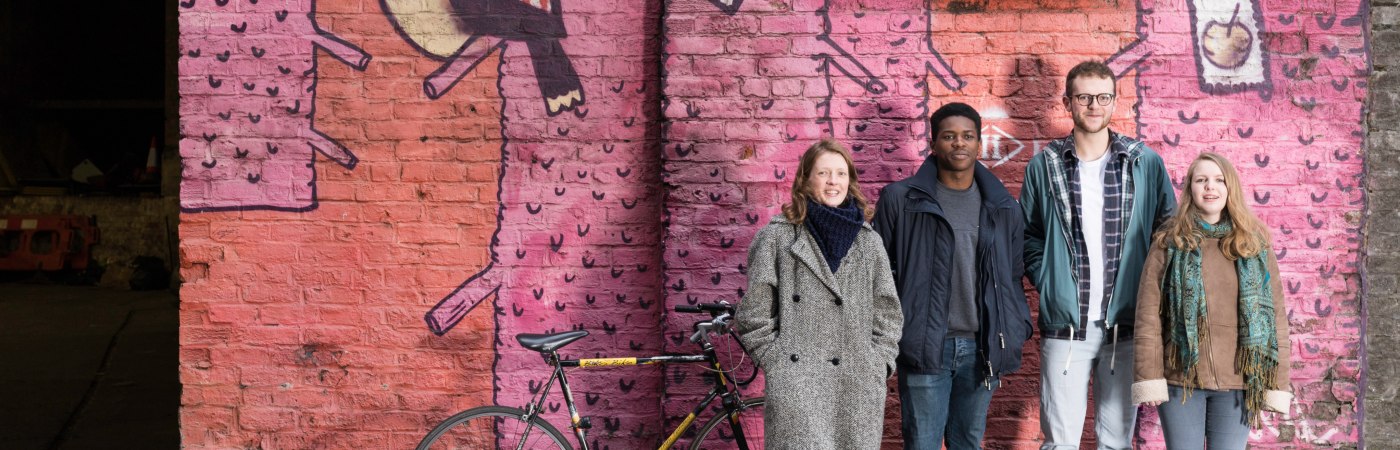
[835, 361]
[838, 301]
[796, 298]
[794, 357]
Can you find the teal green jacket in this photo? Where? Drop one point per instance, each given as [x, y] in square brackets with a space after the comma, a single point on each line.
[1049, 265]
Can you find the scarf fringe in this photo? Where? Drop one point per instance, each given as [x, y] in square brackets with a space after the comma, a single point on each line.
[1258, 366]
[1183, 355]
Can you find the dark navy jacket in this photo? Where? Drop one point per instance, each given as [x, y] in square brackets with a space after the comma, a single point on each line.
[919, 241]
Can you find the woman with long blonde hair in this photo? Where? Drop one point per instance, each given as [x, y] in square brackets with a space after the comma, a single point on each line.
[1211, 339]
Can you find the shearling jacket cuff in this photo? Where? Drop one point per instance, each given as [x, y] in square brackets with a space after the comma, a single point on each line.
[1278, 401]
[1153, 391]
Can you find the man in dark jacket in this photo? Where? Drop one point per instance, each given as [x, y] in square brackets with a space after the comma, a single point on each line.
[954, 234]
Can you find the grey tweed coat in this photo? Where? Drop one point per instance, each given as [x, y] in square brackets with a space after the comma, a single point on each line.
[825, 341]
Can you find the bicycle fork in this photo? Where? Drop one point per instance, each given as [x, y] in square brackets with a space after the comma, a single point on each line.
[729, 398]
[689, 420]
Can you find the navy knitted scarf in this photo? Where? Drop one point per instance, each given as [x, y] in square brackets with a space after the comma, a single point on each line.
[835, 229]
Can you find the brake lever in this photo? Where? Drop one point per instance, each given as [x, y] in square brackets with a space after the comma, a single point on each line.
[721, 322]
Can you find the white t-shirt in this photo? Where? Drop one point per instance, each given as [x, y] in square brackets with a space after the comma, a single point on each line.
[1091, 217]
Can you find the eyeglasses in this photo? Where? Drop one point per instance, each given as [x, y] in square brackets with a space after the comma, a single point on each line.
[1085, 99]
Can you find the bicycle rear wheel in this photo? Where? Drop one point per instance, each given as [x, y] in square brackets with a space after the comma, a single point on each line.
[494, 427]
[745, 433]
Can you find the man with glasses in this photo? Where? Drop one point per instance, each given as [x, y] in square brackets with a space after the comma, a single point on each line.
[1091, 202]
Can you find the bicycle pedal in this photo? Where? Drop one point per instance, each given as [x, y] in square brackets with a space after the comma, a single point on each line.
[585, 423]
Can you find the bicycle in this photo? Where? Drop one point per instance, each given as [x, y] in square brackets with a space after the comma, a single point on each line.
[509, 427]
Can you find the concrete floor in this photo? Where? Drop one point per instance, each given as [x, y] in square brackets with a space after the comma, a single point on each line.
[87, 367]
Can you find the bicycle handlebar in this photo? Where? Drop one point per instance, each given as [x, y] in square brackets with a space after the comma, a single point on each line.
[721, 313]
[712, 308]
[719, 324]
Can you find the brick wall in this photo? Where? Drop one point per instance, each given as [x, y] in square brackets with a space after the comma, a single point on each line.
[1382, 375]
[377, 196]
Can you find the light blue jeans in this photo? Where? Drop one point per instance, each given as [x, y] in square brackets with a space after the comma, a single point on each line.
[950, 405]
[1214, 418]
[1064, 391]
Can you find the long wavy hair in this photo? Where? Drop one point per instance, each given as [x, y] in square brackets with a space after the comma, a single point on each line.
[1249, 235]
[796, 211]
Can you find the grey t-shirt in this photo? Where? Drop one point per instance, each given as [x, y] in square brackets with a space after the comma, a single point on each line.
[962, 209]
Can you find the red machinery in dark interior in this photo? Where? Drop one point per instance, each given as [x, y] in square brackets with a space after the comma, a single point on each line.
[46, 241]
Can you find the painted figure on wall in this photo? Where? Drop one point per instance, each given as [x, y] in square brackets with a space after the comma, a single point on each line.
[250, 141]
[585, 172]
[484, 26]
[895, 76]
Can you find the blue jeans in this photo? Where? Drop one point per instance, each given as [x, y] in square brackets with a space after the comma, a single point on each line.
[1207, 417]
[932, 413]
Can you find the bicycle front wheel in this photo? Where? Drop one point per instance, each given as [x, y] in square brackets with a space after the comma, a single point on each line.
[741, 428]
[494, 427]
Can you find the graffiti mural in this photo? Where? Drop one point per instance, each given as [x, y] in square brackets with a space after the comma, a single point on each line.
[890, 114]
[1229, 55]
[250, 140]
[526, 166]
[586, 173]
[483, 26]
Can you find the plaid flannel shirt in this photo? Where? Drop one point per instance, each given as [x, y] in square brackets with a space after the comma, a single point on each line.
[1118, 201]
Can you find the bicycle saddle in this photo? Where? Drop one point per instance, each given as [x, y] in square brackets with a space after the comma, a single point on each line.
[549, 342]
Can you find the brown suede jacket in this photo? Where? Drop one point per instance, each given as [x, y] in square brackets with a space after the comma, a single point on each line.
[1216, 369]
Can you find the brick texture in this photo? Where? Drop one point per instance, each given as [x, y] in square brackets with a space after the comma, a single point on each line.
[378, 196]
[1382, 294]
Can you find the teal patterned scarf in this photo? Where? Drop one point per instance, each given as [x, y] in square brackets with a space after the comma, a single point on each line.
[1184, 313]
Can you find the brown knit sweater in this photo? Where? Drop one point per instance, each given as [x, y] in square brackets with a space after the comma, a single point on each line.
[1216, 368]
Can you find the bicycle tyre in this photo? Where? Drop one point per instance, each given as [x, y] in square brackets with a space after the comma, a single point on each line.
[474, 428]
[751, 411]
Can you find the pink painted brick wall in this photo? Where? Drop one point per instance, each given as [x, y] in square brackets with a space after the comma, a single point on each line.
[474, 183]
[1295, 138]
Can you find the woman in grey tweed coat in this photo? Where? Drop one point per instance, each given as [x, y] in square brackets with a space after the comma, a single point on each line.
[820, 315]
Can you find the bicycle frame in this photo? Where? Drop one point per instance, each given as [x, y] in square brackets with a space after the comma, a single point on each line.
[726, 391]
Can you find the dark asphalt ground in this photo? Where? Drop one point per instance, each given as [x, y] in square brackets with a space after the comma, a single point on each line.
[86, 367]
